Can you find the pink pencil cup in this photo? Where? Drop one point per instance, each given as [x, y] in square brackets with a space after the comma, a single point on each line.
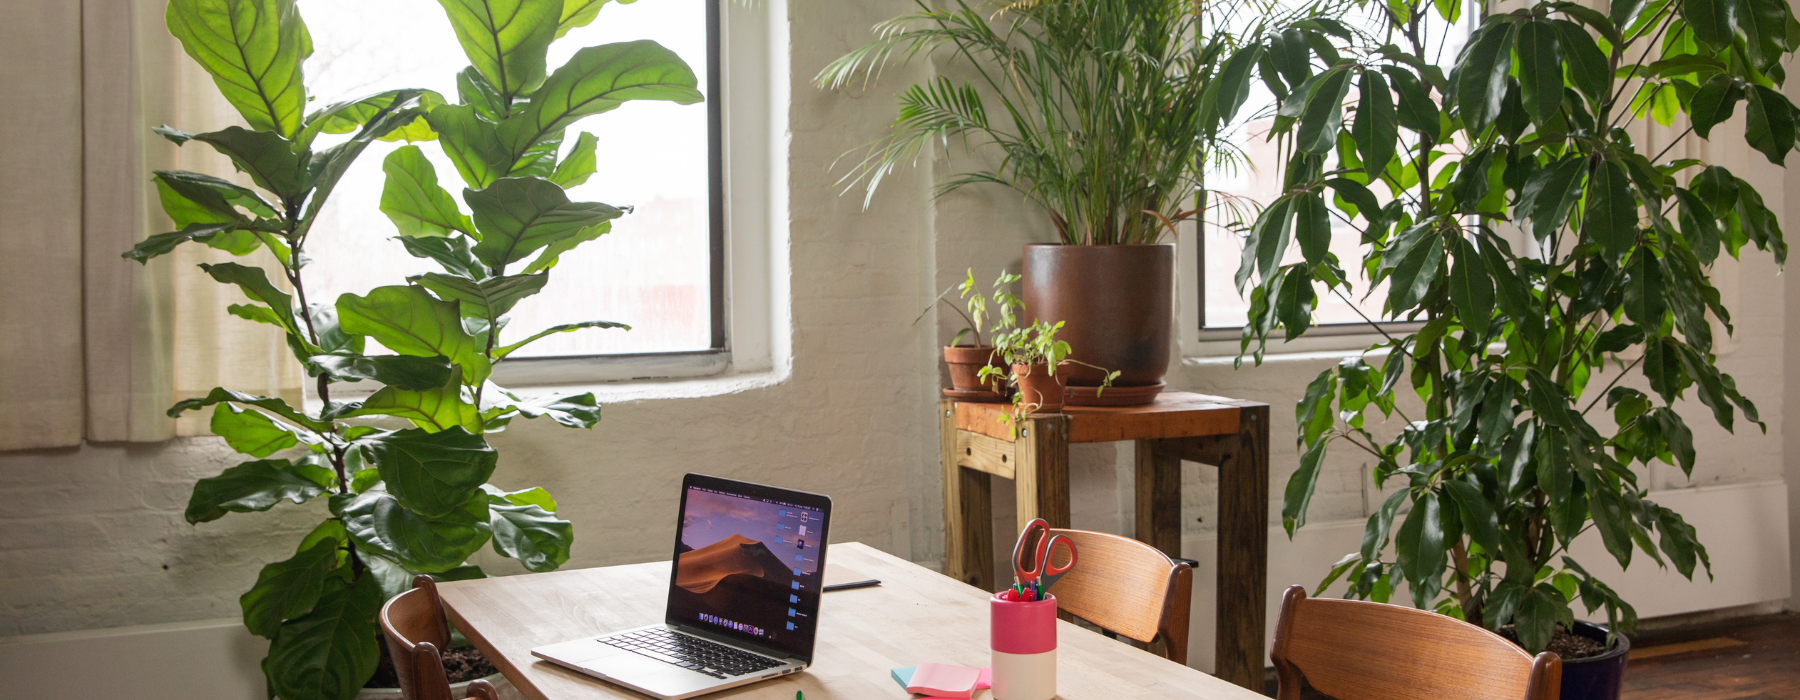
[1023, 640]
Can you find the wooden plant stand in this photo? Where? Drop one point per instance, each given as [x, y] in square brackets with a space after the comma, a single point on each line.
[1230, 434]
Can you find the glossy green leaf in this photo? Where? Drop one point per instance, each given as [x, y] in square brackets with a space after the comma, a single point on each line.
[1482, 76]
[1711, 21]
[569, 410]
[1769, 121]
[1713, 103]
[219, 196]
[579, 165]
[1377, 128]
[553, 253]
[1300, 488]
[1416, 111]
[1415, 274]
[253, 432]
[332, 651]
[349, 115]
[395, 579]
[431, 473]
[1535, 621]
[275, 406]
[253, 50]
[1268, 241]
[1419, 547]
[412, 199]
[432, 409]
[472, 143]
[490, 298]
[518, 216]
[1226, 95]
[506, 40]
[255, 284]
[598, 79]
[578, 13]
[1586, 63]
[409, 321]
[1540, 67]
[288, 589]
[535, 537]
[505, 350]
[1478, 519]
[1610, 217]
[527, 497]
[255, 486]
[377, 522]
[1471, 288]
[165, 243]
[1550, 194]
[452, 252]
[325, 168]
[402, 371]
[1312, 227]
[1324, 113]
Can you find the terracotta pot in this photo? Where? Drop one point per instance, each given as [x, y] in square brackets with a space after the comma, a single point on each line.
[965, 363]
[1116, 303]
[1039, 390]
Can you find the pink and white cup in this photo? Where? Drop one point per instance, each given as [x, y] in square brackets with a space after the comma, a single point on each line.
[1023, 640]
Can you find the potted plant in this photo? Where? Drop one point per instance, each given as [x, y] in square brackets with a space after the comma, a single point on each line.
[966, 361]
[1103, 128]
[1519, 344]
[1031, 355]
[409, 500]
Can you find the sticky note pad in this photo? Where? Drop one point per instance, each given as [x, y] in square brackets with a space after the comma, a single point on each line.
[943, 680]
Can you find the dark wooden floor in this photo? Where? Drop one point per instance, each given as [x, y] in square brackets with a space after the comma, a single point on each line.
[1755, 658]
[1749, 658]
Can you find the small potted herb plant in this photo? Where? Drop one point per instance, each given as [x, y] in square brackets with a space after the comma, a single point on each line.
[965, 362]
[1032, 353]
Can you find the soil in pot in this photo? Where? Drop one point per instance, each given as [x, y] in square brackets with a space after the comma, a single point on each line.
[1591, 670]
[461, 664]
[1564, 644]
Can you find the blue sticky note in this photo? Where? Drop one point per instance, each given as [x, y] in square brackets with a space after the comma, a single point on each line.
[903, 676]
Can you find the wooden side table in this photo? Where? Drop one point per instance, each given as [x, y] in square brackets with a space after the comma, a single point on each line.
[1230, 434]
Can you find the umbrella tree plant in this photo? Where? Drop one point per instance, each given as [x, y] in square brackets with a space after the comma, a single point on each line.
[1524, 343]
[411, 500]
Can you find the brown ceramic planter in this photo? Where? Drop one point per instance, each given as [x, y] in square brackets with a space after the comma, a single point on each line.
[965, 363]
[1116, 303]
[1040, 391]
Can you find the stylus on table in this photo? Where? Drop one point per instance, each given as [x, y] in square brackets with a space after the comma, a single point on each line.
[852, 584]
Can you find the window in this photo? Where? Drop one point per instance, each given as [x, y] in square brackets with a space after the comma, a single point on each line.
[661, 268]
[1257, 182]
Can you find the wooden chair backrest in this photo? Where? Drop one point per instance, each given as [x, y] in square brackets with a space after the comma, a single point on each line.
[414, 626]
[1357, 650]
[1128, 588]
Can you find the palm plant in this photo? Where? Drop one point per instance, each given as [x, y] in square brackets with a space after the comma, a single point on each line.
[1106, 106]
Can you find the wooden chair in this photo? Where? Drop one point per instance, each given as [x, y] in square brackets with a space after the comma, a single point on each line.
[1357, 650]
[1128, 588]
[413, 623]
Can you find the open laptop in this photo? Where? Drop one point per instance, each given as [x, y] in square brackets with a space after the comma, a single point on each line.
[743, 596]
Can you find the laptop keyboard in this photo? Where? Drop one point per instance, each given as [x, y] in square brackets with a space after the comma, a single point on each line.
[692, 653]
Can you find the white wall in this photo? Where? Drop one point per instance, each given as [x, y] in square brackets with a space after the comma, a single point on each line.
[93, 538]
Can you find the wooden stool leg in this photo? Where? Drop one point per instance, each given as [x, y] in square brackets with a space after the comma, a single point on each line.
[1158, 498]
[968, 512]
[1042, 473]
[1244, 552]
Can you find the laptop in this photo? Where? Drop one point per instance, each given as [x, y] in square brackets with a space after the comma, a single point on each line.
[743, 596]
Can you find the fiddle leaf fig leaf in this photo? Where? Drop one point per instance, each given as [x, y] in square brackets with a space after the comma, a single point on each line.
[253, 49]
[490, 298]
[254, 433]
[580, 163]
[528, 497]
[518, 216]
[598, 79]
[165, 243]
[288, 589]
[395, 579]
[579, 13]
[350, 115]
[427, 544]
[506, 40]
[503, 351]
[452, 252]
[402, 371]
[431, 473]
[265, 156]
[572, 410]
[412, 199]
[255, 284]
[331, 651]
[215, 196]
[275, 406]
[472, 143]
[530, 534]
[407, 320]
[256, 486]
[433, 410]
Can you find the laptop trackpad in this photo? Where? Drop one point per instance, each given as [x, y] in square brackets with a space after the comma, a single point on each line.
[650, 674]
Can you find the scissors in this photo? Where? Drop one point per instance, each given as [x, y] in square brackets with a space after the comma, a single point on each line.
[1041, 570]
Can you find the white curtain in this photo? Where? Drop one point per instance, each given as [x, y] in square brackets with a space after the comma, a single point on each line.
[94, 347]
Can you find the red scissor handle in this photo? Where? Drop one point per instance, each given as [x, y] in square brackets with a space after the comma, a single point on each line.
[1043, 553]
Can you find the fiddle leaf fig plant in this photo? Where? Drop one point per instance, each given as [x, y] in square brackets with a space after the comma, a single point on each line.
[410, 496]
[1560, 273]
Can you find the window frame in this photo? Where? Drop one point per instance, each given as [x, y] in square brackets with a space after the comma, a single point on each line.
[718, 357]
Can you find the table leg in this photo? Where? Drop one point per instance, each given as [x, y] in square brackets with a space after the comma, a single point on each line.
[1158, 498]
[1041, 478]
[968, 512]
[1244, 552]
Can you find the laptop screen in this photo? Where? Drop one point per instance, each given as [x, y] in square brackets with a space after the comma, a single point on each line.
[749, 563]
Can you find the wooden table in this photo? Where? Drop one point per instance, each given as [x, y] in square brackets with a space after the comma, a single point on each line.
[1228, 433]
[914, 616]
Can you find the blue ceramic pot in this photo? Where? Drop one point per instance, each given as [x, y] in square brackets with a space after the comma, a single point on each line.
[1596, 677]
